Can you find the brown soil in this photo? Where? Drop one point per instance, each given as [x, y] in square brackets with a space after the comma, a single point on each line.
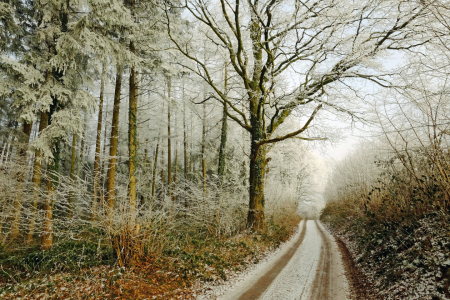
[359, 284]
[263, 283]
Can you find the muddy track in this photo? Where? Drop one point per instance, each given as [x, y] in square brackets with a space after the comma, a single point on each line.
[264, 282]
[322, 287]
[359, 283]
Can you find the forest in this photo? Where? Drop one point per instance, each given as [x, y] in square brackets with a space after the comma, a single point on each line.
[148, 147]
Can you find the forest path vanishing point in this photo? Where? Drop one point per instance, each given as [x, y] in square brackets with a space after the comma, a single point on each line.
[310, 269]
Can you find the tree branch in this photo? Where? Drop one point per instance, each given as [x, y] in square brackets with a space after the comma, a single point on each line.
[292, 134]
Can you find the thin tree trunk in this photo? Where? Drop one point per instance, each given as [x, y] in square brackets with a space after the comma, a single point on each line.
[185, 151]
[185, 145]
[132, 141]
[222, 149]
[21, 164]
[83, 138]
[36, 179]
[5, 144]
[47, 226]
[113, 143]
[191, 170]
[5, 149]
[176, 162]
[155, 164]
[98, 143]
[244, 163]
[169, 146]
[223, 137]
[105, 137]
[9, 148]
[204, 149]
[145, 169]
[9, 154]
[34, 135]
[72, 173]
[155, 167]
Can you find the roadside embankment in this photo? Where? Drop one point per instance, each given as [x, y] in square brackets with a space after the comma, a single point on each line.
[404, 259]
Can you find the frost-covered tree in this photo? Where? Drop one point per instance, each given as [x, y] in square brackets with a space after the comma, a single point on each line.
[46, 76]
[323, 45]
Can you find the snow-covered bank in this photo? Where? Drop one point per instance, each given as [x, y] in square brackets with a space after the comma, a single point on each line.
[402, 260]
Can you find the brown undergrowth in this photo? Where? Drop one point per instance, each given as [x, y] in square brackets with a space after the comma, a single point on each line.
[177, 271]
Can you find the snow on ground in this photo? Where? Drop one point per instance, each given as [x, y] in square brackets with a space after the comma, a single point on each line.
[296, 279]
[241, 281]
[315, 271]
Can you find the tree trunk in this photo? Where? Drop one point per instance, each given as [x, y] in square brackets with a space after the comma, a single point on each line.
[36, 180]
[191, 170]
[83, 138]
[255, 219]
[176, 162]
[222, 150]
[145, 170]
[9, 148]
[21, 165]
[6, 145]
[169, 146]
[113, 142]
[185, 150]
[185, 145]
[204, 149]
[132, 142]
[7, 152]
[161, 191]
[155, 164]
[98, 143]
[105, 137]
[223, 137]
[72, 173]
[47, 226]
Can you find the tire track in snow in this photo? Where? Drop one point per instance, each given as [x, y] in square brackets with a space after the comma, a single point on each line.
[255, 291]
[322, 283]
[330, 282]
[310, 269]
[295, 281]
[315, 271]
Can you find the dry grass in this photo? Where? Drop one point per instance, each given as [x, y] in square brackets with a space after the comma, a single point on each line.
[176, 273]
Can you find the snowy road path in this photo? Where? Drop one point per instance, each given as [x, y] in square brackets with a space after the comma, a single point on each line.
[309, 268]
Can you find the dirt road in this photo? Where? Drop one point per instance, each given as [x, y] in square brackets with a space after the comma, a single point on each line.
[309, 268]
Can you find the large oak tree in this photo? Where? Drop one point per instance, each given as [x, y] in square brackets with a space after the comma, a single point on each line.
[323, 43]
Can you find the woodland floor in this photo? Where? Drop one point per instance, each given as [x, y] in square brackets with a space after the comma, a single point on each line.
[176, 273]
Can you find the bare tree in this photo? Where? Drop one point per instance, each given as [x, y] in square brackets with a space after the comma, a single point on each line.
[324, 42]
